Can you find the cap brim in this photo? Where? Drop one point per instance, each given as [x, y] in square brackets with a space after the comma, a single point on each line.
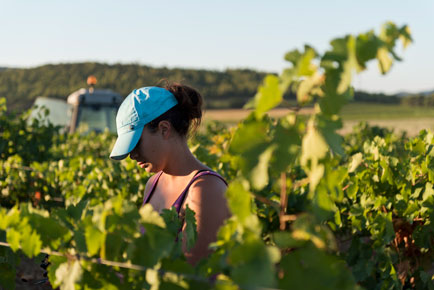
[126, 143]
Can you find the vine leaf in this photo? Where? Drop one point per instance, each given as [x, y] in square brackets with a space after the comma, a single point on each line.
[190, 231]
[94, 239]
[259, 174]
[253, 256]
[384, 60]
[68, 274]
[356, 159]
[239, 200]
[13, 238]
[30, 242]
[268, 95]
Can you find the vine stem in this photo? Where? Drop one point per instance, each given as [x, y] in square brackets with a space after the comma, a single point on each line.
[271, 203]
[93, 260]
[283, 201]
[113, 263]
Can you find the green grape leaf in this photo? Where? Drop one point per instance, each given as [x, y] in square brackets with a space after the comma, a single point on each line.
[150, 248]
[308, 88]
[315, 175]
[387, 174]
[190, 231]
[428, 192]
[94, 239]
[259, 174]
[13, 238]
[239, 200]
[286, 240]
[249, 135]
[55, 262]
[349, 66]
[171, 219]
[12, 218]
[113, 245]
[384, 60]
[286, 78]
[293, 56]
[268, 96]
[68, 274]
[150, 216]
[51, 232]
[253, 256]
[298, 267]
[367, 45]
[332, 101]
[323, 205]
[30, 242]
[356, 160]
[328, 128]
[305, 67]
[405, 36]
[287, 142]
[313, 147]
[306, 229]
[153, 278]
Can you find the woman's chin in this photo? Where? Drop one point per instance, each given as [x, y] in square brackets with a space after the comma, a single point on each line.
[147, 167]
[144, 165]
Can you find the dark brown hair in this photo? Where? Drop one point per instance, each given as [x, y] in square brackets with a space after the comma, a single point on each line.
[186, 116]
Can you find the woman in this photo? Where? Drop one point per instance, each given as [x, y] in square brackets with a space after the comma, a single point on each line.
[153, 125]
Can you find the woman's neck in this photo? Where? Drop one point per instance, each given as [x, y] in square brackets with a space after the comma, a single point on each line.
[180, 161]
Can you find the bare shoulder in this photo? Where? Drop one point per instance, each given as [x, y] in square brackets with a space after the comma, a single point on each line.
[209, 182]
[207, 190]
[149, 183]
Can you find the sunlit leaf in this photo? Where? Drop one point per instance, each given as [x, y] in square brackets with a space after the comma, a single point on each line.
[384, 60]
[239, 200]
[190, 231]
[268, 95]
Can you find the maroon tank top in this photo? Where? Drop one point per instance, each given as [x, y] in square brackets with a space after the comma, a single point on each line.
[180, 200]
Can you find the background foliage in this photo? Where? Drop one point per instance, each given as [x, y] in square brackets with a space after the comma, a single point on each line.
[310, 209]
[231, 88]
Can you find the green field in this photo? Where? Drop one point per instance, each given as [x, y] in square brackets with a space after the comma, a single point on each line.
[397, 117]
[365, 111]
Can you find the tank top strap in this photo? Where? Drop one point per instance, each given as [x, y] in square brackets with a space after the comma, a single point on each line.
[151, 190]
[180, 201]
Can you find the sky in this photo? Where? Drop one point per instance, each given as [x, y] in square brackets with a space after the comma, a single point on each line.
[214, 35]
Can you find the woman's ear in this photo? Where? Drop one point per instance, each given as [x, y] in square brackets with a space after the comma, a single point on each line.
[165, 128]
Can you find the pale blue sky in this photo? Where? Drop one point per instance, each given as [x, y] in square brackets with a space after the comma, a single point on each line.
[213, 35]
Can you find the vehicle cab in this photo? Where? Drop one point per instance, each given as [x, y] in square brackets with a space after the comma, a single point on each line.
[94, 109]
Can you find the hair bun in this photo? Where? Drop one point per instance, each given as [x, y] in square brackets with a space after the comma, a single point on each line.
[187, 114]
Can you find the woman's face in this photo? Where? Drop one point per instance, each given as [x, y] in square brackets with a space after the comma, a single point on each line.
[149, 151]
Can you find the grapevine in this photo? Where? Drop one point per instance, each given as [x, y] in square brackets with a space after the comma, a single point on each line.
[352, 211]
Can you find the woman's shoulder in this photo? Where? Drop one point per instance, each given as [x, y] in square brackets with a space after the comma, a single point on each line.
[208, 178]
[209, 185]
[150, 182]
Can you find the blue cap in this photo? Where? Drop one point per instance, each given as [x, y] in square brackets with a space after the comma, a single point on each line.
[140, 107]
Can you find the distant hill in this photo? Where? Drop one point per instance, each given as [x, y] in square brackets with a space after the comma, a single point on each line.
[407, 94]
[231, 88]
[222, 89]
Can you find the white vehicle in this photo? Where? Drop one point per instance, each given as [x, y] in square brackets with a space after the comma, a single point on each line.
[93, 108]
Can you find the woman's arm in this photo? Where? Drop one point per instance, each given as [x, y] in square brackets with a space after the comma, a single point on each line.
[206, 198]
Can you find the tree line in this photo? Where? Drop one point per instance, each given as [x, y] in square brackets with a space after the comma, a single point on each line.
[231, 88]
